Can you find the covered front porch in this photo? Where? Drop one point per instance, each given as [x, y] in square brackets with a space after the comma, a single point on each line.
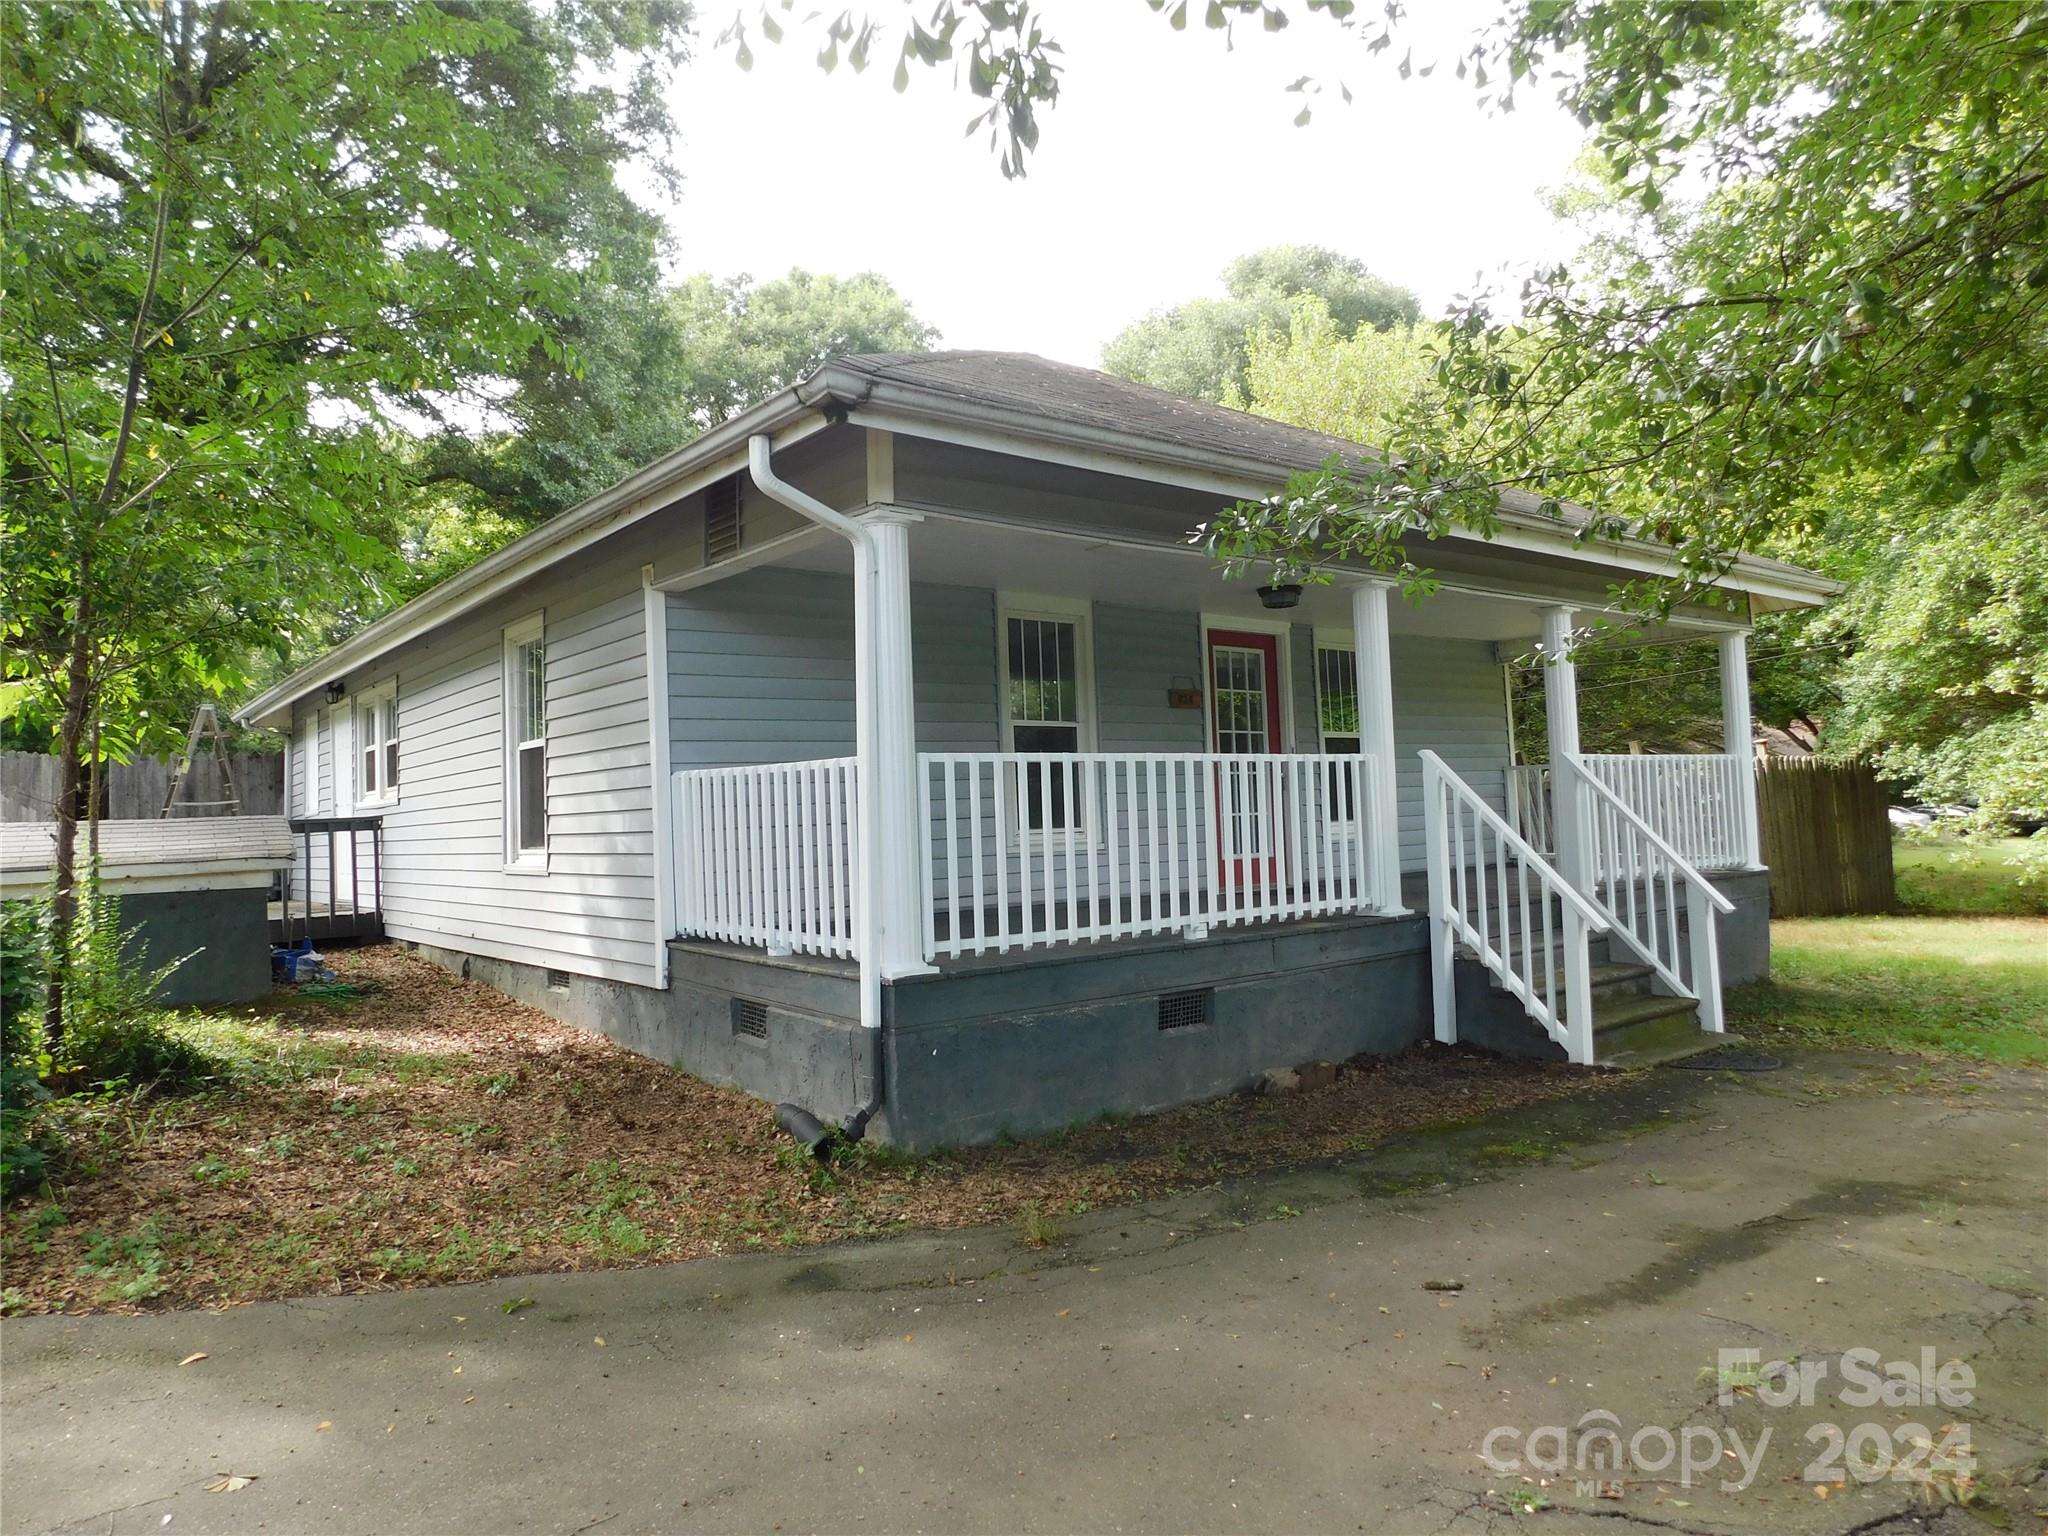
[1083, 740]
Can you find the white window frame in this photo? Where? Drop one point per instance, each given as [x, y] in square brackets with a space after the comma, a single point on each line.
[1335, 640]
[1342, 642]
[380, 706]
[518, 861]
[1079, 612]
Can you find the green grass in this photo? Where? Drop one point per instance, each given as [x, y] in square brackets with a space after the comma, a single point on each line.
[1946, 876]
[1973, 987]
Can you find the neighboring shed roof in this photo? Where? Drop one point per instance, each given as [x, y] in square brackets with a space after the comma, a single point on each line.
[201, 848]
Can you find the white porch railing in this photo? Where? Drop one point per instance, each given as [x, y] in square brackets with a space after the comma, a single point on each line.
[1029, 849]
[1638, 879]
[767, 855]
[1695, 802]
[1491, 890]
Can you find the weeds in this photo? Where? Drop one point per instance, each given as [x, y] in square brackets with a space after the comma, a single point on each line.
[131, 1267]
[1037, 1229]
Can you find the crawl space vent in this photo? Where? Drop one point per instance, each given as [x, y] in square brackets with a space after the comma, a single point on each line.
[1184, 1010]
[558, 981]
[750, 1018]
[721, 521]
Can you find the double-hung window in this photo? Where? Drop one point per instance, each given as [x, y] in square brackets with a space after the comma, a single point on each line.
[376, 745]
[1337, 719]
[526, 745]
[1047, 710]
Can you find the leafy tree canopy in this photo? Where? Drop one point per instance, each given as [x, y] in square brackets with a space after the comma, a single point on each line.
[1200, 348]
[654, 367]
[1842, 260]
[1313, 375]
[1943, 633]
[245, 234]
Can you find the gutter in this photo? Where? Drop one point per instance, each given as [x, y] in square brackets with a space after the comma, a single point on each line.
[798, 1122]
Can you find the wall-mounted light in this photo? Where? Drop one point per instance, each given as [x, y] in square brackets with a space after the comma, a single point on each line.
[335, 690]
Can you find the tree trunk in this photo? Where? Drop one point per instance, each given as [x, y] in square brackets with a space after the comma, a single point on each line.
[64, 895]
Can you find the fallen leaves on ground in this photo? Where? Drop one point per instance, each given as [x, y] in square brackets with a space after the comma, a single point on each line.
[433, 1130]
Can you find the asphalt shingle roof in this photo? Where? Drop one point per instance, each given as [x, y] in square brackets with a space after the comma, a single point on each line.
[1061, 393]
[28, 848]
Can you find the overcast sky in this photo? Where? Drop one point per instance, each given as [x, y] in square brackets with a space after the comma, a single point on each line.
[1166, 157]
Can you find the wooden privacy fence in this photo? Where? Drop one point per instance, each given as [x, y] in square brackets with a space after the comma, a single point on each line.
[135, 791]
[1827, 837]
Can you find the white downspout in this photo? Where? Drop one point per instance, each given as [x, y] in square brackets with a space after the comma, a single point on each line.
[759, 450]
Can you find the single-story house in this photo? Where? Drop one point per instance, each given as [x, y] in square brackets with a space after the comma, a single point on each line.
[890, 750]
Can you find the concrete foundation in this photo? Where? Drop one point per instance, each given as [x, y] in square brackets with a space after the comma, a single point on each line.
[1035, 1043]
[1024, 1044]
[1746, 932]
[1016, 1045]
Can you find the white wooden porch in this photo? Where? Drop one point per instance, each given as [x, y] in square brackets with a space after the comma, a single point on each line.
[905, 859]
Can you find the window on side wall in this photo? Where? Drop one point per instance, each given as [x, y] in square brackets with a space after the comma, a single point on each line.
[1337, 719]
[1048, 693]
[526, 746]
[376, 746]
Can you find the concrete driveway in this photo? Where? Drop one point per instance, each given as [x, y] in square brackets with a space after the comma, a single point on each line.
[1268, 1356]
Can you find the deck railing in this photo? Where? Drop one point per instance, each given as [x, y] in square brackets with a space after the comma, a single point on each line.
[1695, 802]
[1645, 888]
[767, 855]
[335, 887]
[1029, 849]
[1493, 891]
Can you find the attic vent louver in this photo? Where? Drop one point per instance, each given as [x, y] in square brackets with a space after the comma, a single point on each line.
[721, 520]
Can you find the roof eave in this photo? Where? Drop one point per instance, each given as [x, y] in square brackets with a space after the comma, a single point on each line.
[1234, 474]
[643, 492]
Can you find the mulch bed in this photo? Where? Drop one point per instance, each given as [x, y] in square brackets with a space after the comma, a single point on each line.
[434, 1130]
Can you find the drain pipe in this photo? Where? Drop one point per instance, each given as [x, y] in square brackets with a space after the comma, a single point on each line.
[798, 1122]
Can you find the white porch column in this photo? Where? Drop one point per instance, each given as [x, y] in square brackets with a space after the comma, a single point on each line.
[1738, 740]
[1376, 735]
[897, 882]
[1561, 716]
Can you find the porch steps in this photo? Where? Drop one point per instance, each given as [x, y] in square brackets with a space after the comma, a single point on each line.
[1634, 1025]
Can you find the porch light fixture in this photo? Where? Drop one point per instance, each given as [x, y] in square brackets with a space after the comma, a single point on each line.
[336, 689]
[1282, 594]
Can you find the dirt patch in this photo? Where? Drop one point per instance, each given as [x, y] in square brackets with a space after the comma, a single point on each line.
[433, 1130]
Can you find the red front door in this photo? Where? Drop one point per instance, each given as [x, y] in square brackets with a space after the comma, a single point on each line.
[1244, 716]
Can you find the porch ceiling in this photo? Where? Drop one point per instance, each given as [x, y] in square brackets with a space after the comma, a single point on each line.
[951, 549]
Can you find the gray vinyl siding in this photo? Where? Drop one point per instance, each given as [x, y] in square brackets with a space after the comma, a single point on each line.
[1448, 698]
[761, 669]
[1141, 654]
[445, 881]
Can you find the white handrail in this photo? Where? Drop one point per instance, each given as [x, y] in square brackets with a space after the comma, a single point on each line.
[1031, 849]
[1629, 865]
[1693, 800]
[769, 855]
[1463, 871]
